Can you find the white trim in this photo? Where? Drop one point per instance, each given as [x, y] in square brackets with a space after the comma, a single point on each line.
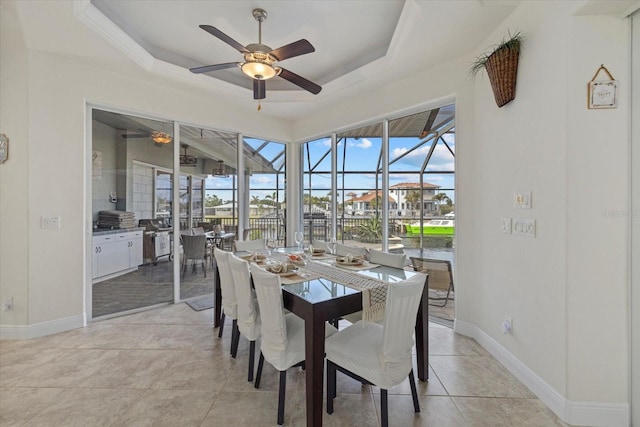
[93, 18]
[25, 332]
[572, 412]
[631, 10]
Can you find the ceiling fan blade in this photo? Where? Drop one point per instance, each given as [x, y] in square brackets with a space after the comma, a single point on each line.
[259, 89]
[215, 67]
[225, 38]
[136, 135]
[300, 81]
[298, 48]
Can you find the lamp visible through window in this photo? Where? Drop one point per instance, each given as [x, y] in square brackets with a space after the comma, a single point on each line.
[220, 171]
[161, 137]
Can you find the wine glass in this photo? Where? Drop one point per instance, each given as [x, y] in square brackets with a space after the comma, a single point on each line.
[332, 245]
[299, 237]
[305, 261]
[272, 244]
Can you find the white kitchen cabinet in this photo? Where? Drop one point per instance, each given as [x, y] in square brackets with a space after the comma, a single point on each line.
[116, 254]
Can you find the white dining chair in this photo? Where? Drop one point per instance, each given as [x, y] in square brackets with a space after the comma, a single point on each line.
[388, 259]
[229, 301]
[379, 354]
[282, 343]
[343, 250]
[321, 244]
[250, 245]
[248, 312]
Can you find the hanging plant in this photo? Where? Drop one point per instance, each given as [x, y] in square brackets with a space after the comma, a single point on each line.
[501, 64]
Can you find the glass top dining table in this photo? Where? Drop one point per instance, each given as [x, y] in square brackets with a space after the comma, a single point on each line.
[319, 300]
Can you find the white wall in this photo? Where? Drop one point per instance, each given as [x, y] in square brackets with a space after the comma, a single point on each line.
[597, 178]
[635, 221]
[566, 289]
[14, 194]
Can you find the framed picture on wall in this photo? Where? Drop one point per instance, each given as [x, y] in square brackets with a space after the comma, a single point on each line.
[603, 94]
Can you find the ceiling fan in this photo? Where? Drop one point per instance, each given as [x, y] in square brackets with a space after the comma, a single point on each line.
[259, 59]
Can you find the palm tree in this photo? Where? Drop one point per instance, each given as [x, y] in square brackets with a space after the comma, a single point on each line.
[272, 198]
[413, 196]
[255, 200]
[439, 198]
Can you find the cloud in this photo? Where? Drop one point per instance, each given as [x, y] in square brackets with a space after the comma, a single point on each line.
[441, 159]
[261, 179]
[360, 143]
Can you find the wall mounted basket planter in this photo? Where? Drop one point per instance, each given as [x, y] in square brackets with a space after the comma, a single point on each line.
[502, 68]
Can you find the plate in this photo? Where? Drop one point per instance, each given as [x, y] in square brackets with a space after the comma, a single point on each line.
[354, 262]
[287, 273]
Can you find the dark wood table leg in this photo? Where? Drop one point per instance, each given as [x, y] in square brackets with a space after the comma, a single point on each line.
[422, 334]
[217, 307]
[314, 353]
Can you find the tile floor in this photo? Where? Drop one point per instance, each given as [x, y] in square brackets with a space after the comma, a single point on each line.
[167, 367]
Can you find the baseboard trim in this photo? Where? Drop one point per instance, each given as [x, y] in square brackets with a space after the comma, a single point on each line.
[25, 332]
[575, 413]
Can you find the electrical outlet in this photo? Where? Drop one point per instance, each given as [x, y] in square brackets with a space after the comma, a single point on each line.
[50, 222]
[7, 305]
[524, 227]
[507, 326]
[505, 225]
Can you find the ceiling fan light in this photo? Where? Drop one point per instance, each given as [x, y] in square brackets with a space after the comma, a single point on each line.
[258, 70]
[161, 138]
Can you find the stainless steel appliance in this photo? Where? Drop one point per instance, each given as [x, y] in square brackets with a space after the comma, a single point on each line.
[157, 239]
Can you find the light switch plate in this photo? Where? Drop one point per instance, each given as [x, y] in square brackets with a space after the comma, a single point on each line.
[522, 200]
[505, 225]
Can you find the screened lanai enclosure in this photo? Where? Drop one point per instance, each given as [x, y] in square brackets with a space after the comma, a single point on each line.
[387, 185]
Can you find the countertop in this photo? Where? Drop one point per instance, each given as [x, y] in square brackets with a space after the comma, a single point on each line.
[104, 232]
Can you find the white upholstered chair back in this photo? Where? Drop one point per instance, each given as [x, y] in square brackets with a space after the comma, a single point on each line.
[248, 314]
[321, 244]
[342, 250]
[274, 325]
[403, 299]
[229, 301]
[385, 258]
[250, 245]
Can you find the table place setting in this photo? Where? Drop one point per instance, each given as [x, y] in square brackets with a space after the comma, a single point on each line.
[354, 263]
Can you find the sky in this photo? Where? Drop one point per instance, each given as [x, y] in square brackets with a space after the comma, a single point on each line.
[361, 156]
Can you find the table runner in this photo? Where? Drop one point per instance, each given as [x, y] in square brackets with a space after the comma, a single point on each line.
[374, 291]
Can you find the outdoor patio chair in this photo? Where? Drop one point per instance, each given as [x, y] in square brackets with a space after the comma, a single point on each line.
[194, 249]
[440, 276]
